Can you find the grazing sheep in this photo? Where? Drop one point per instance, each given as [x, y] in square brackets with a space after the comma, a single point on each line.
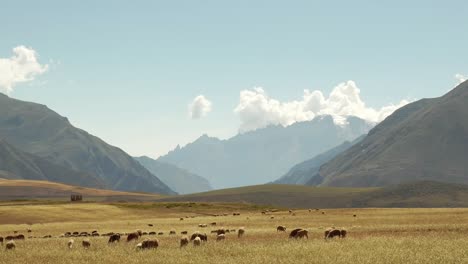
[86, 243]
[139, 246]
[294, 232]
[202, 225]
[184, 241]
[70, 243]
[160, 233]
[10, 245]
[202, 237]
[213, 224]
[29, 230]
[310, 210]
[19, 237]
[343, 233]
[172, 232]
[152, 233]
[9, 238]
[114, 238]
[240, 232]
[150, 225]
[354, 215]
[332, 233]
[184, 232]
[132, 236]
[233, 230]
[272, 217]
[197, 241]
[290, 211]
[302, 233]
[281, 229]
[149, 244]
[181, 219]
[220, 231]
[323, 213]
[1, 240]
[220, 237]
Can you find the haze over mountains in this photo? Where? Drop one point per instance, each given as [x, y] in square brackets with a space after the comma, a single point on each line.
[302, 173]
[262, 155]
[179, 180]
[37, 130]
[425, 140]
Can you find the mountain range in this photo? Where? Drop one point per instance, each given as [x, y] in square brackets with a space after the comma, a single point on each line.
[263, 155]
[424, 140]
[38, 137]
[179, 180]
[302, 173]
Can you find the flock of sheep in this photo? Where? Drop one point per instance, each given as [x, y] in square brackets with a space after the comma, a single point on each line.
[196, 238]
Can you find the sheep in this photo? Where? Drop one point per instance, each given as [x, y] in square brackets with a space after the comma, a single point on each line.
[1, 240]
[281, 229]
[213, 224]
[294, 232]
[86, 243]
[302, 233]
[181, 219]
[150, 225]
[160, 233]
[139, 246]
[184, 232]
[152, 233]
[140, 233]
[70, 243]
[240, 232]
[220, 237]
[114, 238]
[149, 244]
[10, 245]
[172, 232]
[184, 241]
[202, 237]
[202, 225]
[331, 233]
[197, 241]
[343, 233]
[132, 236]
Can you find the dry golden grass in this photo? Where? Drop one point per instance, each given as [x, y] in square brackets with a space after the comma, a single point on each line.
[375, 235]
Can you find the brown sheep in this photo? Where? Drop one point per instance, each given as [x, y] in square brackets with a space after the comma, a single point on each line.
[114, 238]
[150, 225]
[86, 243]
[184, 232]
[213, 224]
[281, 229]
[184, 241]
[9, 238]
[181, 219]
[343, 233]
[152, 233]
[132, 236]
[19, 237]
[220, 237]
[149, 244]
[202, 225]
[1, 240]
[240, 232]
[70, 243]
[172, 232]
[302, 233]
[197, 241]
[332, 233]
[29, 230]
[10, 245]
[220, 232]
[160, 233]
[202, 237]
[294, 232]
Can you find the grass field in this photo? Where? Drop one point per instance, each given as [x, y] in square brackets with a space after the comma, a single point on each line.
[374, 235]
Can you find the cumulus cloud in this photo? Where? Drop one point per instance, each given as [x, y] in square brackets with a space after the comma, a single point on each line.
[460, 78]
[23, 66]
[257, 110]
[199, 107]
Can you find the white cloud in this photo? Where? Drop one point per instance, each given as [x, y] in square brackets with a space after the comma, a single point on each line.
[23, 66]
[460, 78]
[257, 110]
[199, 107]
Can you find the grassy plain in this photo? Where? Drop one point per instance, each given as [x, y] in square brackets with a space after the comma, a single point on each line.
[375, 235]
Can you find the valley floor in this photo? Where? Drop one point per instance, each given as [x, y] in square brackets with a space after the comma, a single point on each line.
[374, 235]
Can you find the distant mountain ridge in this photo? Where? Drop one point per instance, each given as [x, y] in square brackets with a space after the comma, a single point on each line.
[303, 172]
[179, 180]
[35, 129]
[263, 155]
[424, 140]
[15, 164]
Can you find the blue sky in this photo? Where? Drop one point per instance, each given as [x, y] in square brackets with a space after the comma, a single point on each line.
[126, 71]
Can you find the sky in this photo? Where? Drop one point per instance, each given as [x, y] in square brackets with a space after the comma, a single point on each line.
[148, 75]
